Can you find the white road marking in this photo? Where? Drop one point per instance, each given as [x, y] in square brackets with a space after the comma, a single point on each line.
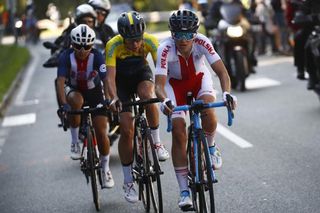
[273, 61]
[233, 137]
[260, 83]
[28, 103]
[18, 120]
[27, 79]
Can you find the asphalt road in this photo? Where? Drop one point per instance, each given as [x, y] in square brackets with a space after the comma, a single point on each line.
[271, 153]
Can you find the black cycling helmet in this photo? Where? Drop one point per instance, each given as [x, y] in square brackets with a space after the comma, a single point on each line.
[131, 25]
[184, 21]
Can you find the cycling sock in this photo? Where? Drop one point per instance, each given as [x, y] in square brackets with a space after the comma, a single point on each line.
[74, 134]
[155, 132]
[127, 174]
[210, 138]
[105, 162]
[182, 177]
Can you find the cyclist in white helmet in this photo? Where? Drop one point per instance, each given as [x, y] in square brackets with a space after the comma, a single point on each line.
[82, 69]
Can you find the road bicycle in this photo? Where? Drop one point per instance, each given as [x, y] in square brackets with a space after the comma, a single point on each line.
[90, 163]
[146, 168]
[201, 175]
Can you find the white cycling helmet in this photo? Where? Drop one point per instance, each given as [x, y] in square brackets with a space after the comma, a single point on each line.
[84, 10]
[82, 35]
[100, 4]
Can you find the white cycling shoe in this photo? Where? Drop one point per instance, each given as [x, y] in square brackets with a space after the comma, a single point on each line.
[215, 157]
[75, 151]
[130, 194]
[107, 179]
[163, 154]
[185, 202]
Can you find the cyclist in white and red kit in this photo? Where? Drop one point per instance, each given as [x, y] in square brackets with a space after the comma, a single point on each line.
[181, 69]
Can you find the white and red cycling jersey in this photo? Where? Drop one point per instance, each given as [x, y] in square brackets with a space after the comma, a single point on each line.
[184, 75]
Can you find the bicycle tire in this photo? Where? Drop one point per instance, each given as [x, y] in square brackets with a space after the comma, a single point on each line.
[153, 172]
[91, 161]
[192, 170]
[208, 201]
[138, 170]
[200, 185]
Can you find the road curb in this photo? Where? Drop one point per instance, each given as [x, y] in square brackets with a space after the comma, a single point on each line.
[15, 85]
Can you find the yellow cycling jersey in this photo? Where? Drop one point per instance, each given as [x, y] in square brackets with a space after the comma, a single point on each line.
[116, 50]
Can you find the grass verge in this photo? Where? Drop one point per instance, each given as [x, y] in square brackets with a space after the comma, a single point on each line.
[12, 59]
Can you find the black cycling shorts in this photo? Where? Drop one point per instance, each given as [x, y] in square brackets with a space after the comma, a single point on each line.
[127, 84]
[92, 98]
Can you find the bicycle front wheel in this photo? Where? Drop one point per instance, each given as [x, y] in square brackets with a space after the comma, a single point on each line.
[91, 161]
[153, 173]
[207, 176]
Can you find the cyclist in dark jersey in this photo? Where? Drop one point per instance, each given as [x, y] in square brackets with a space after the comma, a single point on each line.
[82, 69]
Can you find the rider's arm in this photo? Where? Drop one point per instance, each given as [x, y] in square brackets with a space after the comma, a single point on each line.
[111, 58]
[160, 81]
[223, 75]
[62, 76]
[111, 82]
[60, 90]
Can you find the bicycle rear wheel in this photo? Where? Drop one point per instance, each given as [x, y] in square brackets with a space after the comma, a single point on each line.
[153, 173]
[91, 166]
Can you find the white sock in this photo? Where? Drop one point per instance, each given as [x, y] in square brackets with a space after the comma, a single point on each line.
[105, 162]
[182, 177]
[74, 134]
[210, 138]
[127, 174]
[155, 135]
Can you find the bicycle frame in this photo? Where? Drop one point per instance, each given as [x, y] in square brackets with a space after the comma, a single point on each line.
[90, 164]
[197, 181]
[146, 168]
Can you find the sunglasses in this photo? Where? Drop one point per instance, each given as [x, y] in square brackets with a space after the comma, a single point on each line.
[101, 12]
[132, 40]
[79, 47]
[183, 36]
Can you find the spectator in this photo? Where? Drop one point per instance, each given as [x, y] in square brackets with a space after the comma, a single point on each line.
[53, 13]
[269, 29]
[279, 8]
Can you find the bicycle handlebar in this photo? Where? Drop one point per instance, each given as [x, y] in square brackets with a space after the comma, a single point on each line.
[87, 109]
[199, 105]
[141, 102]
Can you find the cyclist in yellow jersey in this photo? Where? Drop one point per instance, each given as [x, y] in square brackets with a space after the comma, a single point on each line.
[128, 73]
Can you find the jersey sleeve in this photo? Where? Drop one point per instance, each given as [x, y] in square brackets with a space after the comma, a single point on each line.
[63, 64]
[100, 65]
[162, 59]
[207, 48]
[111, 51]
[153, 44]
